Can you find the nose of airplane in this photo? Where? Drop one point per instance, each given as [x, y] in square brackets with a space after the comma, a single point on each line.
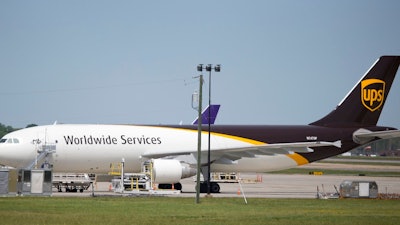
[15, 153]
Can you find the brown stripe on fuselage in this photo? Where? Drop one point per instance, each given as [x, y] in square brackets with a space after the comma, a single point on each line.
[260, 134]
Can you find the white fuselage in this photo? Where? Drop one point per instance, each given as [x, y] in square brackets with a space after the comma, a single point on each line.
[92, 148]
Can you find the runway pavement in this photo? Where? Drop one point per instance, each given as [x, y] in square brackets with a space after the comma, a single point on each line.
[292, 186]
[271, 186]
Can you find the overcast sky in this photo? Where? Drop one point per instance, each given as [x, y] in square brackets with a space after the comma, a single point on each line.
[283, 62]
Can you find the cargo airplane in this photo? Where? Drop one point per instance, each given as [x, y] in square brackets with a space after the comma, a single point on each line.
[240, 148]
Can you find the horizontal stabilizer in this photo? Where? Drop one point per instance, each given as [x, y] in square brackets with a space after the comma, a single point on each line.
[362, 136]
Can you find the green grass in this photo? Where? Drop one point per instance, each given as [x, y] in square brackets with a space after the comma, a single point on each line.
[165, 210]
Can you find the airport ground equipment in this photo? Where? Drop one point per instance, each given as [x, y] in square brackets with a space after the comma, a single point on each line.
[71, 182]
[34, 182]
[358, 189]
[4, 181]
[140, 183]
[321, 194]
[30, 180]
[218, 177]
[44, 152]
[224, 177]
[7, 181]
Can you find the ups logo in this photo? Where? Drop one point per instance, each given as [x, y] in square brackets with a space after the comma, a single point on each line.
[372, 93]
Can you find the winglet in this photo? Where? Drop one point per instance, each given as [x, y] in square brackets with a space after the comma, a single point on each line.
[211, 111]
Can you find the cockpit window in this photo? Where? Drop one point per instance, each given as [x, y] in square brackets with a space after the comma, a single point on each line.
[9, 140]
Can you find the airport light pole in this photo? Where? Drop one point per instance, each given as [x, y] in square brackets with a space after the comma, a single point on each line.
[209, 68]
[199, 123]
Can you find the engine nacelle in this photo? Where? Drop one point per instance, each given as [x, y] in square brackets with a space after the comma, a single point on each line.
[167, 171]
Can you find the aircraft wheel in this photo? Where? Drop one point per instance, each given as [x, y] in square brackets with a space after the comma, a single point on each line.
[178, 186]
[203, 187]
[214, 188]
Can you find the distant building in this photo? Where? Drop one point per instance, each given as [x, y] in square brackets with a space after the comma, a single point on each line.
[388, 147]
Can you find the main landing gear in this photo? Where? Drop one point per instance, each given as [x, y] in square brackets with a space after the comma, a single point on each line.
[176, 186]
[214, 187]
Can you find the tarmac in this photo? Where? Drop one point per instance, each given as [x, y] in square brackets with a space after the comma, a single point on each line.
[267, 185]
[258, 186]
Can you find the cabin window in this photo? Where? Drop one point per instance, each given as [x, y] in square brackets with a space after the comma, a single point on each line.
[3, 140]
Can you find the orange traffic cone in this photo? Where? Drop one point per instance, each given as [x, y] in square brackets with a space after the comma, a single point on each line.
[238, 192]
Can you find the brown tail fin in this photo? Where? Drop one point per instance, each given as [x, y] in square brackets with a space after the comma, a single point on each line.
[364, 103]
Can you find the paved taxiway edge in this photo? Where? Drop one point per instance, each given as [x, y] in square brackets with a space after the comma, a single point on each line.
[272, 186]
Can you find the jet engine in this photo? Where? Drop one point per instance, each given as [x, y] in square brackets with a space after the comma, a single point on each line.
[167, 171]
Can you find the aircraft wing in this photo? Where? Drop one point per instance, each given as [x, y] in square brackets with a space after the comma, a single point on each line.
[272, 149]
[252, 151]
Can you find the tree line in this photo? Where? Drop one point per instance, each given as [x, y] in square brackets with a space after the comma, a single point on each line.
[4, 129]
